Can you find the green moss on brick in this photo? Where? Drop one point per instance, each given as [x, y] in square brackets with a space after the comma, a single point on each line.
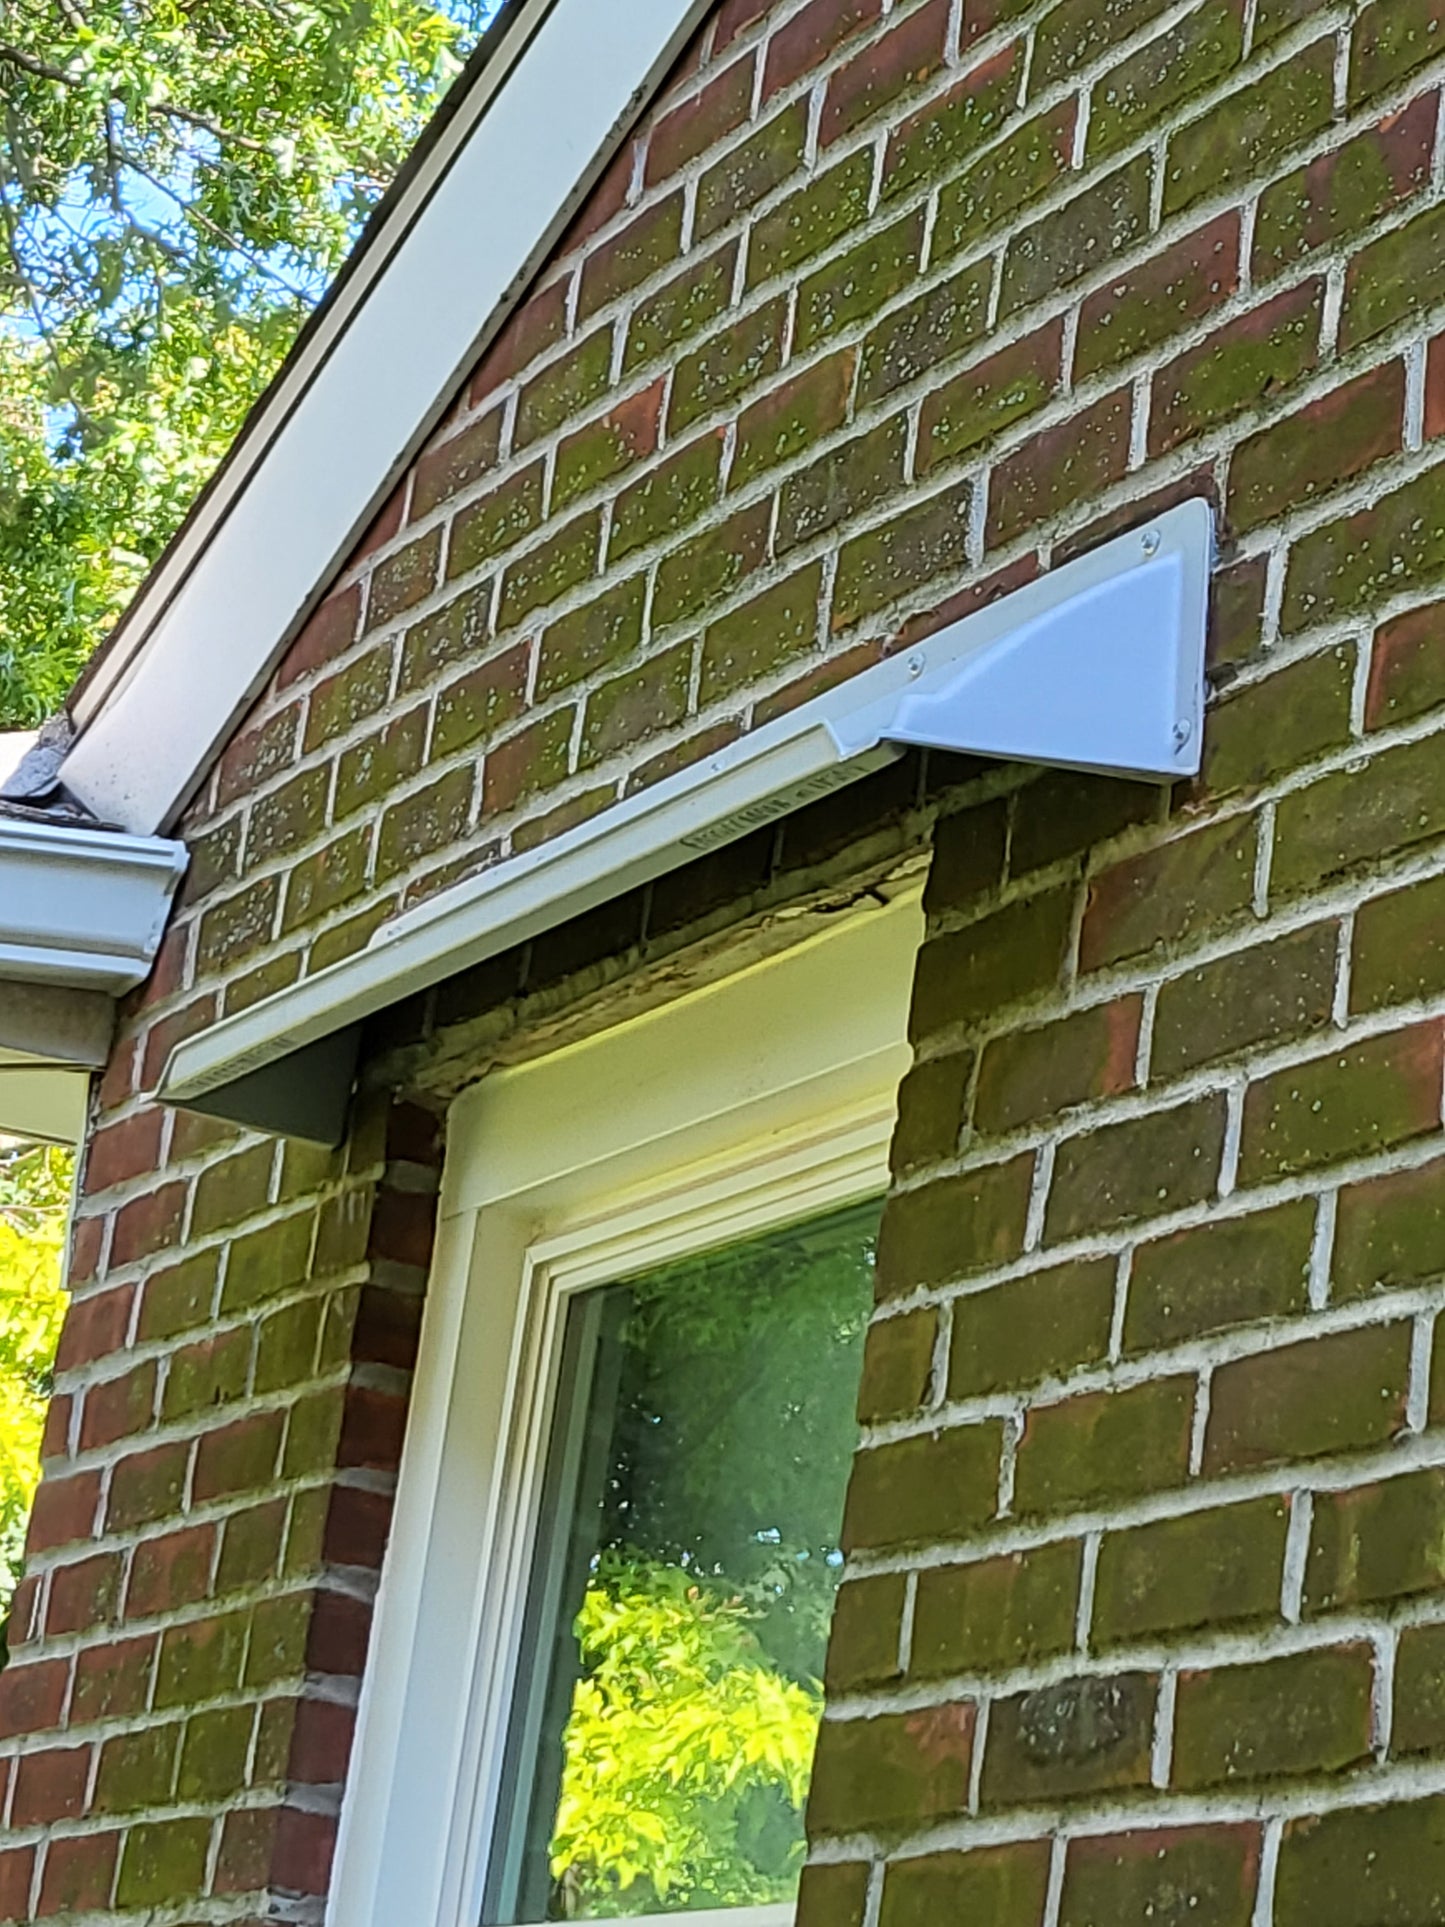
[986, 398]
[810, 219]
[1361, 1098]
[1218, 1568]
[997, 1613]
[1391, 40]
[680, 309]
[943, 136]
[1237, 367]
[1006, 1884]
[765, 633]
[842, 484]
[1393, 278]
[1247, 133]
[1343, 191]
[1394, 802]
[945, 1230]
[1078, 238]
[1263, 995]
[1146, 305]
[926, 333]
[1343, 1392]
[1233, 1271]
[1026, 164]
[899, 557]
[564, 388]
[1044, 1325]
[1143, 90]
[1119, 1173]
[727, 365]
[858, 283]
[1389, 1232]
[591, 637]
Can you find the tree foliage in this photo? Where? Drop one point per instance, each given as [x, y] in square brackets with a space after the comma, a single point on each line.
[687, 1753]
[34, 1195]
[178, 184]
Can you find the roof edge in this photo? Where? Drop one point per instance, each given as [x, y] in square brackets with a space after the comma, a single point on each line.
[408, 319]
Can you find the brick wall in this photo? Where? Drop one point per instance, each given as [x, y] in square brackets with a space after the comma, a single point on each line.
[882, 310]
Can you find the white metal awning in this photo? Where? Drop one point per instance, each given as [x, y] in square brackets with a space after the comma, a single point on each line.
[1098, 665]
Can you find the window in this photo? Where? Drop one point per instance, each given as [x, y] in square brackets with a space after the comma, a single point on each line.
[632, 1423]
[683, 1574]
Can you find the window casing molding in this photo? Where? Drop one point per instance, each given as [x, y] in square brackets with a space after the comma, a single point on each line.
[746, 1105]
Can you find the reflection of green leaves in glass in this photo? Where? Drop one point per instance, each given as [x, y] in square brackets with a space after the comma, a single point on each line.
[687, 1753]
[736, 1420]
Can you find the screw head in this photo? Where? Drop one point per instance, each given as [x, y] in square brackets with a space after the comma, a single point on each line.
[1150, 541]
[1182, 732]
[916, 665]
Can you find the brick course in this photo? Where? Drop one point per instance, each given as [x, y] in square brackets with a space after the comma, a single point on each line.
[881, 309]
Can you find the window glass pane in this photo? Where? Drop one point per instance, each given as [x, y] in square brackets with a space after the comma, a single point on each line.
[677, 1615]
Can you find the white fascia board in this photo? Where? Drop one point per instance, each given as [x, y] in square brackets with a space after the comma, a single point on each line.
[545, 113]
[1098, 665]
[82, 909]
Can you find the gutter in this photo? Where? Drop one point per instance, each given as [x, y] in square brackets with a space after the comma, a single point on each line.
[82, 909]
[1098, 665]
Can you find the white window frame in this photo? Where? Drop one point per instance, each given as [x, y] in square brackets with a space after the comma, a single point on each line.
[752, 1102]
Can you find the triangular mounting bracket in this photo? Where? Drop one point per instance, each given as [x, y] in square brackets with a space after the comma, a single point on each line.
[1098, 665]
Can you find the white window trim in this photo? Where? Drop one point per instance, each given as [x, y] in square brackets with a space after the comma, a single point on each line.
[745, 1104]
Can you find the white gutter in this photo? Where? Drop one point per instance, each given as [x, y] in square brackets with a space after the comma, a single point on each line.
[558, 91]
[1097, 665]
[82, 909]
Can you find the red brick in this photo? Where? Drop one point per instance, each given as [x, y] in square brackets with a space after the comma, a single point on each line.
[337, 1637]
[372, 1428]
[537, 325]
[167, 1034]
[121, 1151]
[64, 1511]
[17, 1870]
[812, 35]
[32, 1693]
[903, 57]
[50, 1785]
[1407, 667]
[1435, 389]
[1343, 1392]
[1237, 367]
[55, 1441]
[84, 1594]
[118, 1408]
[148, 1224]
[321, 1743]
[1322, 447]
[711, 113]
[171, 1571]
[357, 1525]
[146, 1486]
[403, 1227]
[305, 1847]
[113, 1681]
[331, 629]
[1147, 304]
[95, 1326]
[79, 1872]
[1062, 466]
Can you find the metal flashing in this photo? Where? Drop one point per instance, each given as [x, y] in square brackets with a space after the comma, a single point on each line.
[1098, 665]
